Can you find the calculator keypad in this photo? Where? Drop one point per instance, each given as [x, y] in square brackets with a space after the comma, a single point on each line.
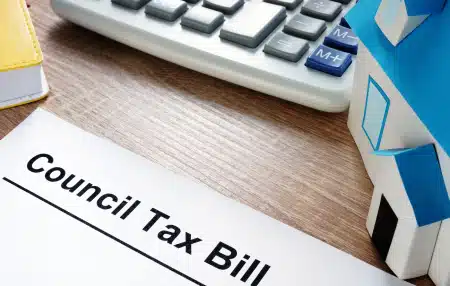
[322, 9]
[286, 47]
[192, 1]
[289, 4]
[248, 23]
[202, 19]
[329, 60]
[168, 10]
[344, 23]
[305, 27]
[344, 1]
[343, 39]
[225, 6]
[131, 4]
[253, 24]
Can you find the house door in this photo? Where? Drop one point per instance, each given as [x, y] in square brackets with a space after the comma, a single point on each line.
[385, 226]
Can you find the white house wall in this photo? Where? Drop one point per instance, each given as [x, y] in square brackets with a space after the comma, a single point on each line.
[422, 250]
[373, 210]
[440, 265]
[412, 247]
[393, 190]
[411, 251]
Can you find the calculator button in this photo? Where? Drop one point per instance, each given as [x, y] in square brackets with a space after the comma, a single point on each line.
[286, 47]
[192, 1]
[168, 10]
[329, 60]
[305, 27]
[224, 6]
[289, 4]
[344, 23]
[343, 39]
[202, 19]
[322, 9]
[253, 24]
[132, 4]
[343, 1]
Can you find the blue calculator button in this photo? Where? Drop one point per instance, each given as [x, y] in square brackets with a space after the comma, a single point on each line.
[343, 39]
[344, 23]
[329, 60]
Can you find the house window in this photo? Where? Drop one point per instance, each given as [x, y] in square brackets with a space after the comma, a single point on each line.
[375, 113]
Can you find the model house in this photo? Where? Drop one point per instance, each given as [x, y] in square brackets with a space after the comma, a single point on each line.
[407, 209]
[400, 101]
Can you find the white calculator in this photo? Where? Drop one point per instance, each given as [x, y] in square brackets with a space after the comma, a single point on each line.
[301, 51]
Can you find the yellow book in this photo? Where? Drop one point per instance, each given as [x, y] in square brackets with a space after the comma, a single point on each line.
[22, 78]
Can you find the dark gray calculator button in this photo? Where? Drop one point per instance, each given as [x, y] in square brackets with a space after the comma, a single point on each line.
[343, 1]
[322, 9]
[305, 27]
[132, 4]
[168, 10]
[253, 23]
[224, 6]
[192, 1]
[289, 4]
[202, 19]
[286, 47]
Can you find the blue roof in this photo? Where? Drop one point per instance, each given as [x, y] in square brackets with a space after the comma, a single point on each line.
[390, 152]
[423, 7]
[419, 66]
[422, 178]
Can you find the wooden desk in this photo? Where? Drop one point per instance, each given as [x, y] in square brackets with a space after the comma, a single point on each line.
[295, 164]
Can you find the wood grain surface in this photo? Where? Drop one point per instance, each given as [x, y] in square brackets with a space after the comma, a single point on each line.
[295, 164]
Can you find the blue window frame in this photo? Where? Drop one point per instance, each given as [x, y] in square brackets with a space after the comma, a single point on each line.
[375, 113]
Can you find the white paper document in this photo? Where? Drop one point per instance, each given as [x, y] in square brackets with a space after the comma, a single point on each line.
[76, 209]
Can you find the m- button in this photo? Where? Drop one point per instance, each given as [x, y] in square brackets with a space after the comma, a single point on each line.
[343, 39]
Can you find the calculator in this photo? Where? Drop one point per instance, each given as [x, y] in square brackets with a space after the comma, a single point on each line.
[297, 50]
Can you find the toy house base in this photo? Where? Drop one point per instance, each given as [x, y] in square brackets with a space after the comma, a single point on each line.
[380, 119]
[440, 265]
